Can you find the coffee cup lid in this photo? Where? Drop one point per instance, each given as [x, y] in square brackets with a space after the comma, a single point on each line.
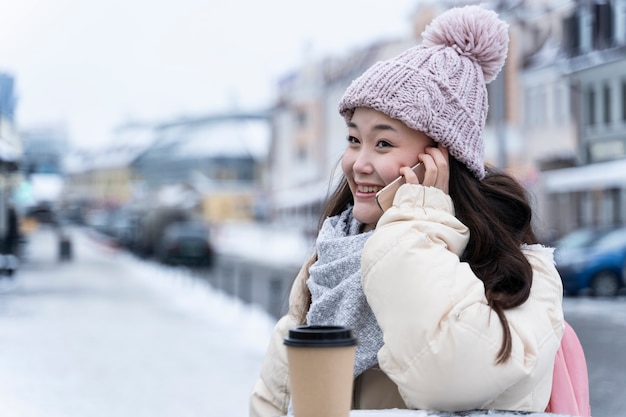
[320, 336]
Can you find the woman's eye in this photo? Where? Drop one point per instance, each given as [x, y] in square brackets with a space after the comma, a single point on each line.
[352, 139]
[383, 144]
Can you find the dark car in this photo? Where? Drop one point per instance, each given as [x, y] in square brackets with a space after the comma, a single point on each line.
[186, 243]
[592, 259]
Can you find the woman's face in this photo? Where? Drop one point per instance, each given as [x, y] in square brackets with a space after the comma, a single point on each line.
[378, 146]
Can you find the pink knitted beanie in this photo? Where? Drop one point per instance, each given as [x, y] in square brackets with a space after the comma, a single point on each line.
[439, 87]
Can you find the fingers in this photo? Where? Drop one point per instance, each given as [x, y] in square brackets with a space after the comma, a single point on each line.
[436, 170]
[437, 174]
[409, 176]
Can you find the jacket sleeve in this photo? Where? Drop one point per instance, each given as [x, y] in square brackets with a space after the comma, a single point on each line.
[441, 338]
[270, 395]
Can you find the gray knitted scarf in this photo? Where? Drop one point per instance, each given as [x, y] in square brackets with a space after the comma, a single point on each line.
[336, 290]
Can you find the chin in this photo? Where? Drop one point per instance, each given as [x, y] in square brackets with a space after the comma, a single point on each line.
[367, 214]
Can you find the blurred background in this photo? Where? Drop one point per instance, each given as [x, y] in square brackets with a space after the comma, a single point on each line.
[201, 138]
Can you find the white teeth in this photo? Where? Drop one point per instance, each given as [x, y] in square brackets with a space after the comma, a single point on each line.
[368, 189]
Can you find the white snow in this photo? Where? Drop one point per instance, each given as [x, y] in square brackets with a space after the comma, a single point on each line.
[111, 335]
[46, 187]
[600, 175]
[226, 138]
[603, 309]
[263, 243]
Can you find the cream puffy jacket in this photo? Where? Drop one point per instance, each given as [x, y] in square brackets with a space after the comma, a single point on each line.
[441, 338]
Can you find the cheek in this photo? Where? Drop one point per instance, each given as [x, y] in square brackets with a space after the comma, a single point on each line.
[346, 165]
[389, 173]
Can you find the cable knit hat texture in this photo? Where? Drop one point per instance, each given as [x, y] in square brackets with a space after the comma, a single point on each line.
[439, 87]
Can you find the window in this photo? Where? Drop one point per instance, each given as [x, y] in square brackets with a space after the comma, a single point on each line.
[623, 100]
[535, 107]
[620, 22]
[528, 108]
[560, 105]
[556, 103]
[540, 106]
[301, 118]
[602, 25]
[571, 34]
[591, 106]
[606, 98]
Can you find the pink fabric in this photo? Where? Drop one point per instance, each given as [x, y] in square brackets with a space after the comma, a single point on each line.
[570, 385]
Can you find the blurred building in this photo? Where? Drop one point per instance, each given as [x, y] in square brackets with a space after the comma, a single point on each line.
[211, 165]
[41, 188]
[10, 142]
[10, 158]
[588, 70]
[221, 158]
[105, 177]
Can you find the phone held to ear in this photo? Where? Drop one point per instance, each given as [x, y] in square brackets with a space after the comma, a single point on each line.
[384, 197]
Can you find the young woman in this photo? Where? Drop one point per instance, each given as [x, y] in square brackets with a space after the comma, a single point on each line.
[455, 305]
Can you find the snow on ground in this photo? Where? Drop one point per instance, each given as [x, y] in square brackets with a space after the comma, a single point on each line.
[251, 325]
[246, 324]
[111, 335]
[604, 309]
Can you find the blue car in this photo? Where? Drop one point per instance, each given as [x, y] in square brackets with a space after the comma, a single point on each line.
[592, 259]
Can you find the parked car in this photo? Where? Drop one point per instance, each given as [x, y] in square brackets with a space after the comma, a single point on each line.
[186, 243]
[592, 259]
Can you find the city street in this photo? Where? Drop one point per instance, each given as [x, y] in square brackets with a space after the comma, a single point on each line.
[106, 334]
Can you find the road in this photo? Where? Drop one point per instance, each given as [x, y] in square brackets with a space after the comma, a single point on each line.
[109, 335]
[601, 328]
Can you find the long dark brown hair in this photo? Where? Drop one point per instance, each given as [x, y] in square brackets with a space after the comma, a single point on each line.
[498, 214]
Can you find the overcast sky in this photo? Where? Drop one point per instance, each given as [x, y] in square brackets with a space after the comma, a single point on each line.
[90, 65]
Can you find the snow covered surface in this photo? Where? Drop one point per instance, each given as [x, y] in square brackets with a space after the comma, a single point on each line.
[111, 335]
[605, 174]
[226, 138]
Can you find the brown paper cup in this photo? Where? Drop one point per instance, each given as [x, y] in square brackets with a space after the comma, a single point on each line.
[321, 367]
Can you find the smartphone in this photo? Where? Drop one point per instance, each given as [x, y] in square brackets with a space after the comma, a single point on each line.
[384, 197]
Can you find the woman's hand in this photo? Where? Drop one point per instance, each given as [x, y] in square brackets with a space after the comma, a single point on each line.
[437, 169]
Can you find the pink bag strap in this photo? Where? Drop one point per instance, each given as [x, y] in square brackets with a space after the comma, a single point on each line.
[570, 384]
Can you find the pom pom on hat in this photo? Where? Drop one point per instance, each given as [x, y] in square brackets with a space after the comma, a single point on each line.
[439, 87]
[475, 32]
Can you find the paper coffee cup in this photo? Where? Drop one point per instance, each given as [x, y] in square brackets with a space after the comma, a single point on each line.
[321, 367]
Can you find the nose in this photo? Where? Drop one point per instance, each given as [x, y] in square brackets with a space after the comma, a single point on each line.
[363, 164]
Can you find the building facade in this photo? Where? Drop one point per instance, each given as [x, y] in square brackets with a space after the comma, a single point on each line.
[592, 60]
[10, 157]
[218, 160]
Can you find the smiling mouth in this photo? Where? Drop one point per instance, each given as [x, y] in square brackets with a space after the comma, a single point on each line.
[368, 189]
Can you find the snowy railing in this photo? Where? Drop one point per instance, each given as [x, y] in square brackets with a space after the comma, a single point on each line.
[265, 285]
[258, 264]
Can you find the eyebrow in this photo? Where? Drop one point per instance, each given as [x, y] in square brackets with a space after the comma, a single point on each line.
[382, 127]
